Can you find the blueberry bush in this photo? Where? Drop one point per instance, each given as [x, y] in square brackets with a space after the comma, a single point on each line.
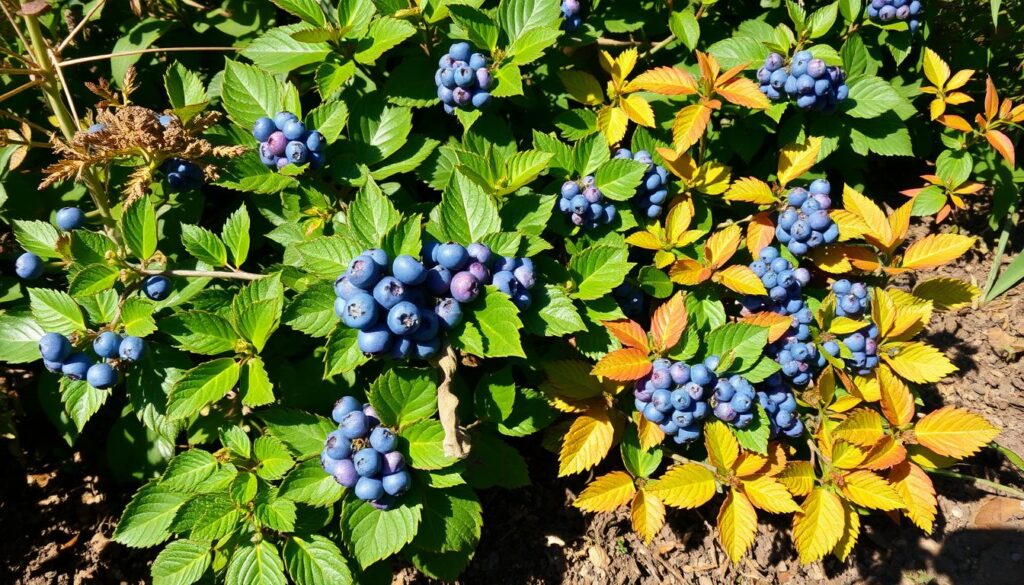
[326, 267]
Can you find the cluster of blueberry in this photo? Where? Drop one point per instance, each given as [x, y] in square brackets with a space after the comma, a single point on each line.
[652, 193]
[784, 283]
[363, 454]
[59, 357]
[631, 299]
[852, 300]
[885, 11]
[284, 140]
[808, 80]
[571, 19]
[799, 358]
[182, 175]
[462, 79]
[780, 405]
[461, 270]
[581, 201]
[735, 401]
[805, 223]
[675, 397]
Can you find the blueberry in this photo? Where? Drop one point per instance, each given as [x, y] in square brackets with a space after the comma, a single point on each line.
[479, 271]
[886, 13]
[266, 156]
[76, 366]
[579, 204]
[477, 60]
[392, 462]
[263, 128]
[28, 266]
[403, 318]
[360, 311]
[345, 473]
[465, 287]
[277, 143]
[343, 406]
[815, 68]
[505, 263]
[712, 362]
[479, 252]
[54, 367]
[525, 276]
[383, 440]
[369, 489]
[480, 99]
[375, 340]
[281, 119]
[506, 282]
[569, 189]
[778, 79]
[132, 348]
[773, 61]
[354, 425]
[701, 375]
[363, 272]
[768, 254]
[329, 464]
[430, 324]
[408, 270]
[680, 373]
[438, 281]
[461, 97]
[343, 289]
[106, 344]
[397, 483]
[741, 403]
[452, 256]
[315, 141]
[449, 311]
[465, 76]
[426, 349]
[54, 347]
[460, 51]
[296, 152]
[70, 218]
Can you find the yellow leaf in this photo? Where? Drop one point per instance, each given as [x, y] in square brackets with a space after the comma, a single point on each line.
[648, 515]
[874, 218]
[688, 272]
[797, 159]
[721, 445]
[677, 220]
[850, 533]
[648, 432]
[689, 125]
[582, 87]
[571, 380]
[629, 333]
[663, 258]
[936, 108]
[955, 122]
[668, 323]
[883, 310]
[606, 493]
[645, 240]
[624, 64]
[936, 250]
[935, 69]
[929, 459]
[606, 61]
[665, 81]
[750, 190]
[899, 223]
[958, 98]
[722, 245]
[819, 525]
[851, 225]
[769, 495]
[708, 65]
[737, 525]
[954, 432]
[587, 442]
[959, 79]
[845, 403]
[685, 486]
[612, 122]
[896, 399]
[750, 463]
[623, 365]
[798, 477]
[885, 454]
[862, 428]
[638, 110]
[947, 294]
[845, 325]
[678, 163]
[741, 279]
[744, 92]
[711, 178]
[831, 259]
[867, 489]
[917, 361]
[847, 455]
[917, 492]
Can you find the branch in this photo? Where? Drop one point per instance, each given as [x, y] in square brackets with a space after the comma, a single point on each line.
[14, 25]
[20, 88]
[79, 27]
[985, 482]
[140, 52]
[237, 275]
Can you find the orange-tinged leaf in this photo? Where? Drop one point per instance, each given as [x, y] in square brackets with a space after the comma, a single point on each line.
[582, 87]
[612, 122]
[729, 75]
[587, 442]
[749, 463]
[846, 455]
[737, 525]
[606, 493]
[883, 310]
[629, 333]
[991, 99]
[623, 365]
[867, 489]
[723, 450]
[688, 272]
[689, 125]
[959, 79]
[665, 81]
[645, 240]
[958, 98]
[649, 433]
[668, 323]
[1003, 145]
[955, 122]
[750, 190]
[741, 279]
[708, 65]
[647, 514]
[638, 110]
[862, 427]
[778, 325]
[721, 246]
[885, 454]
[935, 69]
[797, 159]
[769, 495]
[896, 399]
[776, 459]
[819, 525]
[917, 361]
[760, 233]
[954, 432]
[874, 218]
[685, 486]
[678, 163]
[935, 250]
[798, 477]
[917, 492]
[851, 532]
[743, 92]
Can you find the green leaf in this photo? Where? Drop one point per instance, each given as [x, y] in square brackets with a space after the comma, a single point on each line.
[372, 215]
[531, 46]
[850, 9]
[275, 461]
[81, 401]
[928, 201]
[236, 235]
[309, 484]
[404, 238]
[329, 119]
[207, 516]
[312, 311]
[19, 339]
[478, 27]
[93, 279]
[184, 88]
[354, 17]
[314, 560]
[618, 178]
[885, 135]
[496, 395]
[342, 353]
[307, 10]
[1013, 274]
[822, 19]
[55, 311]
[451, 520]
[204, 245]
[738, 345]
[508, 82]
[302, 432]
[38, 237]
[492, 462]
[599, 269]
[277, 51]
[519, 17]
[954, 166]
[374, 535]
[385, 33]
[275, 513]
[181, 562]
[148, 516]
[871, 97]
[200, 332]
[684, 25]
[402, 396]
[552, 313]
[755, 437]
[138, 224]
[383, 131]
[466, 213]
[201, 386]
[442, 566]
[490, 326]
[639, 462]
[249, 93]
[255, 564]
[589, 154]
[423, 442]
[188, 470]
[328, 256]
[256, 310]
[141, 36]
[254, 383]
[738, 51]
[235, 439]
[530, 414]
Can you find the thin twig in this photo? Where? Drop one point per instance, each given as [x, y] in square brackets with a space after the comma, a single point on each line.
[30, 144]
[21, 120]
[79, 27]
[67, 90]
[14, 25]
[140, 52]
[603, 42]
[985, 482]
[17, 71]
[205, 274]
[20, 88]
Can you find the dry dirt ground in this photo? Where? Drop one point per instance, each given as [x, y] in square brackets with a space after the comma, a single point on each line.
[57, 511]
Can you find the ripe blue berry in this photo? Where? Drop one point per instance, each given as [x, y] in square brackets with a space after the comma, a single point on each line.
[383, 440]
[363, 272]
[107, 344]
[465, 287]
[367, 462]
[374, 340]
[449, 311]
[70, 218]
[343, 406]
[403, 318]
[281, 119]
[296, 152]
[360, 311]
[101, 376]
[263, 128]
[28, 266]
[452, 256]
[369, 489]
[345, 473]
[132, 348]
[397, 483]
[76, 366]
[54, 347]
[408, 270]
[156, 287]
